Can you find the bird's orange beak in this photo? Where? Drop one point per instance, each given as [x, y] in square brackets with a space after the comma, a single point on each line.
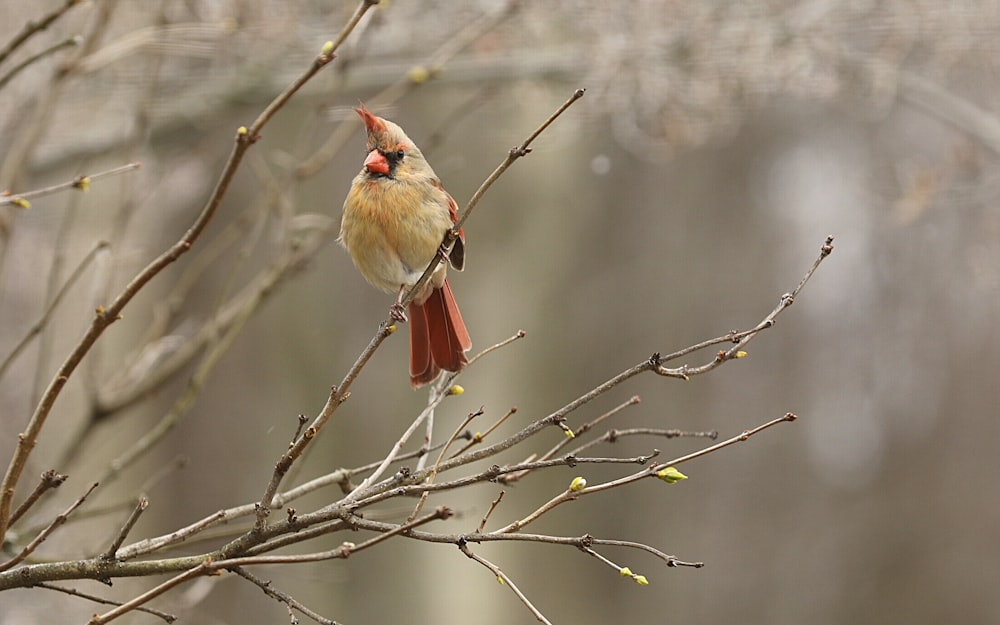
[376, 163]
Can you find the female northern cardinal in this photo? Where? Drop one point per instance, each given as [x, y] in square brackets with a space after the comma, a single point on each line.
[395, 219]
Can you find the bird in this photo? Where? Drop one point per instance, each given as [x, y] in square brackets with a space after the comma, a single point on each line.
[395, 221]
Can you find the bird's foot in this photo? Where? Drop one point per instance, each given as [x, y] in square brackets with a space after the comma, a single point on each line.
[397, 312]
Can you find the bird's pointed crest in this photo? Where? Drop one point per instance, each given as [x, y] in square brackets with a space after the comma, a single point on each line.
[372, 123]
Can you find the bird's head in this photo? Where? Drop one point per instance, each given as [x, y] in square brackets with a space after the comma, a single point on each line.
[390, 151]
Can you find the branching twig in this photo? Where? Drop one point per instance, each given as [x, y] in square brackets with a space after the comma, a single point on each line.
[140, 507]
[38, 540]
[513, 154]
[504, 579]
[571, 495]
[434, 469]
[270, 591]
[28, 62]
[489, 513]
[169, 618]
[43, 321]
[33, 27]
[133, 604]
[613, 435]
[245, 138]
[81, 182]
[49, 479]
[478, 437]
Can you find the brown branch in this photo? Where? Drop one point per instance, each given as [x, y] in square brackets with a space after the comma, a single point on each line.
[33, 27]
[503, 578]
[43, 321]
[28, 62]
[489, 513]
[169, 618]
[513, 155]
[478, 437]
[288, 600]
[412, 77]
[245, 138]
[49, 479]
[434, 469]
[651, 471]
[586, 427]
[140, 507]
[38, 540]
[81, 182]
[613, 435]
[741, 338]
[133, 604]
[572, 495]
[520, 334]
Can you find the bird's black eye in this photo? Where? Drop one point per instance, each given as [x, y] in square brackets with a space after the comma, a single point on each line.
[399, 155]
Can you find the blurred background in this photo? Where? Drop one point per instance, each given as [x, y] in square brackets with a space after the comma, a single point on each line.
[717, 146]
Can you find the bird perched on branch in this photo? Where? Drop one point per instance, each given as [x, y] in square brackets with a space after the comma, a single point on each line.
[395, 222]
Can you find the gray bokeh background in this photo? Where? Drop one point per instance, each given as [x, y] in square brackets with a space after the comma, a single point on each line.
[717, 146]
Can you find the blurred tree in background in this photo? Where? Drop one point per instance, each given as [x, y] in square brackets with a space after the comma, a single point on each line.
[718, 145]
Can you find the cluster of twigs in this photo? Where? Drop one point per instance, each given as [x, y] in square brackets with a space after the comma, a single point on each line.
[257, 537]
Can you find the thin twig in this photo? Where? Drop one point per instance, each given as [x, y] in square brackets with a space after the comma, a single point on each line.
[49, 479]
[478, 437]
[270, 591]
[651, 471]
[40, 538]
[613, 435]
[43, 321]
[28, 62]
[396, 448]
[434, 469]
[489, 513]
[520, 334]
[583, 429]
[513, 155]
[104, 317]
[344, 550]
[133, 604]
[81, 182]
[503, 578]
[415, 76]
[33, 27]
[140, 507]
[736, 351]
[570, 495]
[169, 618]
[415, 485]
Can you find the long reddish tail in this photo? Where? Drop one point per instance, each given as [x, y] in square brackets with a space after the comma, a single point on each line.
[438, 338]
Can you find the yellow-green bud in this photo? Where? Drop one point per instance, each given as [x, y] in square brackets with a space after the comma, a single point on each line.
[670, 475]
[578, 484]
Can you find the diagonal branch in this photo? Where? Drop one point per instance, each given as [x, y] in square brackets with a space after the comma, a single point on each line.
[104, 317]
